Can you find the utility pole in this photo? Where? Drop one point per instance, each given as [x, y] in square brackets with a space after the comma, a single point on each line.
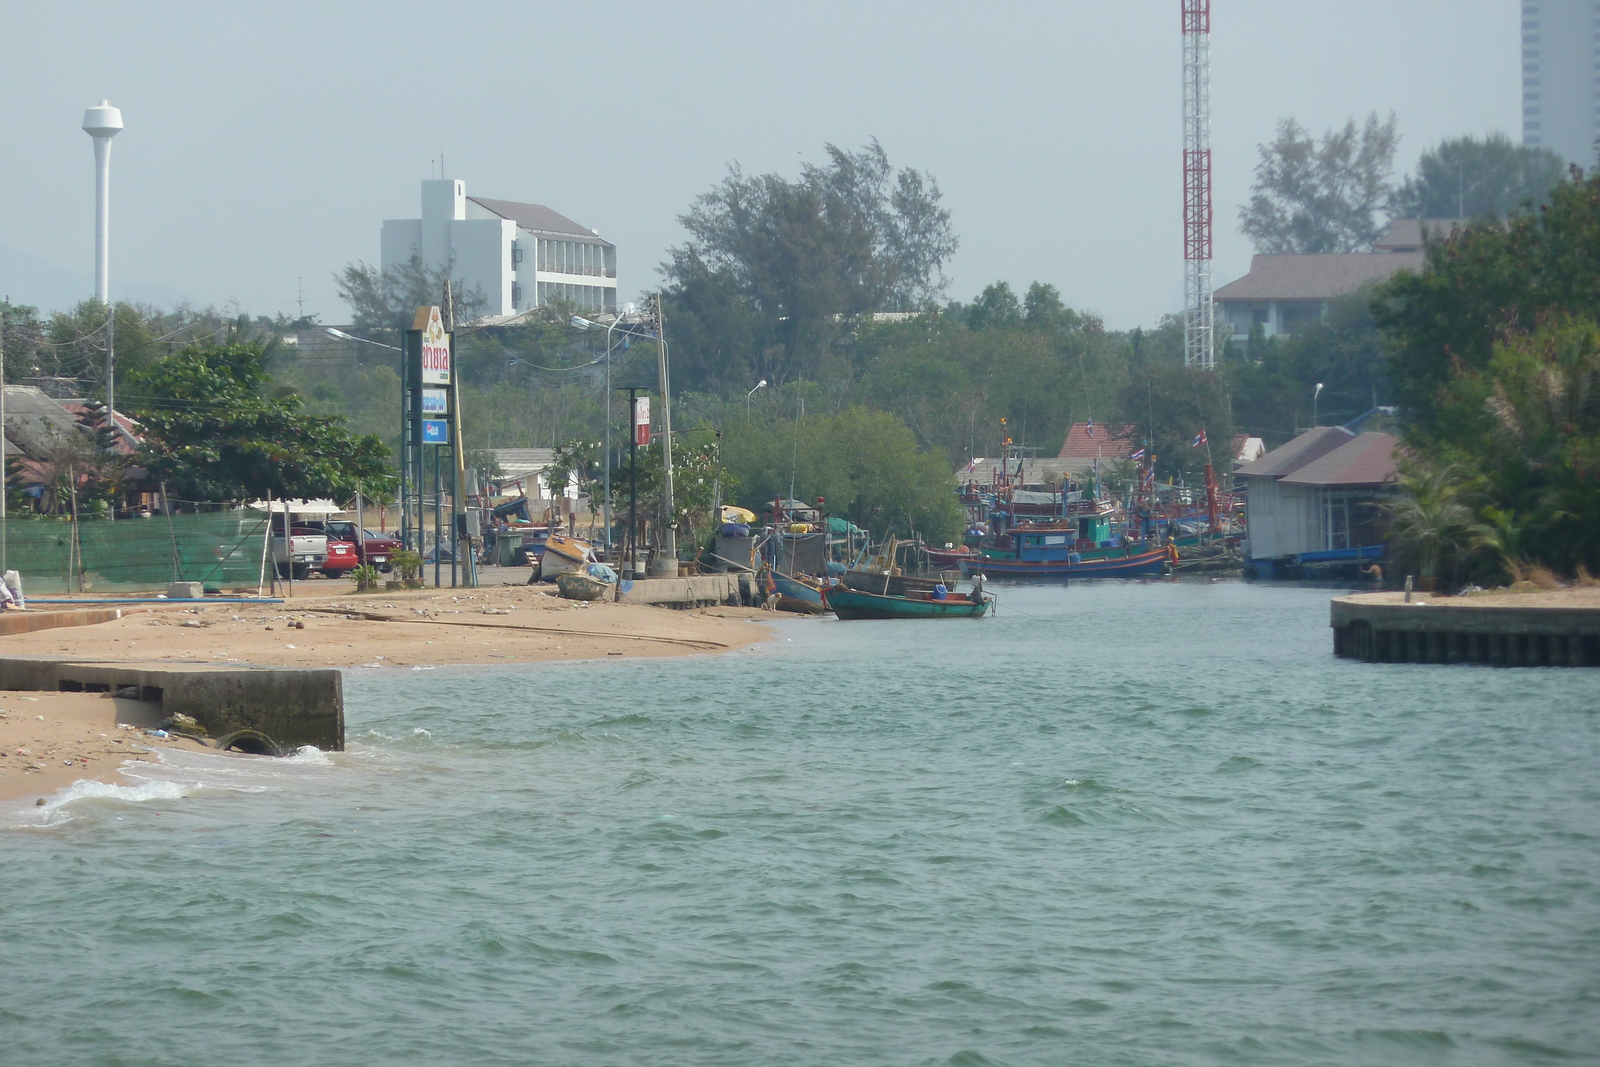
[666, 561]
[1199, 319]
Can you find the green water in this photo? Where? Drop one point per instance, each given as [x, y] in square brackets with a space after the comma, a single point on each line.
[1114, 824]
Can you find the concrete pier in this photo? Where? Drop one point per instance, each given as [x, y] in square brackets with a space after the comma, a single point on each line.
[699, 591]
[1503, 631]
[256, 709]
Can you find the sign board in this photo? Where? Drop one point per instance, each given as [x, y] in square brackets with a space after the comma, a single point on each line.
[435, 402]
[435, 347]
[641, 420]
[435, 432]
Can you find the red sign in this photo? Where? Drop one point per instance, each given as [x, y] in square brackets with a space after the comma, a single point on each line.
[641, 420]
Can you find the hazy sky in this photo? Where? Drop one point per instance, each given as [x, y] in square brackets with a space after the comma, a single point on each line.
[266, 142]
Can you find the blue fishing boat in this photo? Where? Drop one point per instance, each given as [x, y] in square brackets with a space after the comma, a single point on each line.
[850, 603]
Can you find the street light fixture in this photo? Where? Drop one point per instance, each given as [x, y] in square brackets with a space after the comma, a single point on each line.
[762, 383]
[581, 323]
[341, 335]
[1314, 397]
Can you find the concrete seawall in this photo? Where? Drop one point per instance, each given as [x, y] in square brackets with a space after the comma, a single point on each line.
[699, 591]
[257, 709]
[1378, 628]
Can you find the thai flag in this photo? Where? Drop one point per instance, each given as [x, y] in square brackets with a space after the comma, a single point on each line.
[1137, 455]
[1199, 439]
[1089, 428]
[972, 465]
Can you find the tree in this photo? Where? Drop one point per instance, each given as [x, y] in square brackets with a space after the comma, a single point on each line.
[1478, 286]
[1273, 385]
[1497, 363]
[866, 464]
[211, 432]
[1312, 196]
[995, 309]
[1466, 178]
[1166, 405]
[388, 299]
[1428, 523]
[775, 270]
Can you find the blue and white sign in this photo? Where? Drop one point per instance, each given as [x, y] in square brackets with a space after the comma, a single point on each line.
[435, 402]
[435, 432]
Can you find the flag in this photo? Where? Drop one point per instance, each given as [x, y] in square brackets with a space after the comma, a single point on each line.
[1199, 439]
[1137, 455]
[1089, 428]
[972, 465]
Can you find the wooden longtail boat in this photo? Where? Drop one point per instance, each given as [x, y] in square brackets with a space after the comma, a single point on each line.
[1143, 564]
[854, 604]
[893, 584]
[797, 594]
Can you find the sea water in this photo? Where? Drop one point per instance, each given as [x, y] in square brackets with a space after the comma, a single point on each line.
[1113, 824]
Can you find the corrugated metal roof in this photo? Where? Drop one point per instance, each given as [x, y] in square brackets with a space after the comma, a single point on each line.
[521, 462]
[1315, 277]
[536, 217]
[1368, 459]
[1308, 447]
[34, 420]
[1107, 443]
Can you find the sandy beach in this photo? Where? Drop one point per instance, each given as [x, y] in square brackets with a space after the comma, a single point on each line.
[50, 740]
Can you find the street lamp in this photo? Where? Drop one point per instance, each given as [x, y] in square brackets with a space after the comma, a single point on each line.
[341, 335]
[582, 323]
[1314, 397]
[750, 394]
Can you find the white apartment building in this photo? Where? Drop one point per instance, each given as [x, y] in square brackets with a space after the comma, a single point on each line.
[518, 255]
[1561, 77]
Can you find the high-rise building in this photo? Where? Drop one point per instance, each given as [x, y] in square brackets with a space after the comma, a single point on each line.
[1561, 77]
[518, 256]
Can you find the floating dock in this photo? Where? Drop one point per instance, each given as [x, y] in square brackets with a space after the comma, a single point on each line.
[1509, 630]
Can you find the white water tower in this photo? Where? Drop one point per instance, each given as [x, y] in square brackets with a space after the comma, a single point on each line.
[102, 122]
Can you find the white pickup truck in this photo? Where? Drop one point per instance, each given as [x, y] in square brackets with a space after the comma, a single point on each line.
[299, 553]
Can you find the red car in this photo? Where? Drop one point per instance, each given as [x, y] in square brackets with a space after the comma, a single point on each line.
[378, 547]
[341, 557]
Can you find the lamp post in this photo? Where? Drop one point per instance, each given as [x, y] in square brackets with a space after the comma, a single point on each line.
[341, 335]
[1314, 396]
[583, 324]
[750, 394]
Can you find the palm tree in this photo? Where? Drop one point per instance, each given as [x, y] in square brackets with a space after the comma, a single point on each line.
[1506, 538]
[1428, 523]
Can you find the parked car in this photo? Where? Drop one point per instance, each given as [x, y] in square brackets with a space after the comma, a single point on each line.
[374, 548]
[300, 552]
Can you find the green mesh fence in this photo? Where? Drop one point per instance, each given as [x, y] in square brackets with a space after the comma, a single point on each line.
[222, 550]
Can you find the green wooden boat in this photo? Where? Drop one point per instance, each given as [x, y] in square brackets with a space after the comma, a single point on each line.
[855, 604]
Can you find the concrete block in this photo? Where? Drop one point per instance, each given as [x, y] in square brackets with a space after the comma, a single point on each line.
[185, 590]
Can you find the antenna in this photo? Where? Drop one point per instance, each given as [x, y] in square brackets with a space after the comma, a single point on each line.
[1199, 317]
[300, 299]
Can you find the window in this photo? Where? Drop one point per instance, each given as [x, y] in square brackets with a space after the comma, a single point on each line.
[516, 254]
[516, 295]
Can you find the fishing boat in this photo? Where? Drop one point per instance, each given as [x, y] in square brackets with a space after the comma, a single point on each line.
[850, 603]
[1134, 565]
[563, 554]
[796, 593]
[894, 584]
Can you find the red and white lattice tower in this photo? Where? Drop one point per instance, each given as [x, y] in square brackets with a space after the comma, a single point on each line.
[1199, 316]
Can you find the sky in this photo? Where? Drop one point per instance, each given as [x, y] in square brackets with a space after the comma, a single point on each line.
[265, 143]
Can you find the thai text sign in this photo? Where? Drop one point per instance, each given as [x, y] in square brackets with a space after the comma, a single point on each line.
[435, 432]
[435, 402]
[641, 420]
[435, 349]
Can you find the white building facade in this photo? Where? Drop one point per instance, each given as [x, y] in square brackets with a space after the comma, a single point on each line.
[1561, 77]
[519, 256]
